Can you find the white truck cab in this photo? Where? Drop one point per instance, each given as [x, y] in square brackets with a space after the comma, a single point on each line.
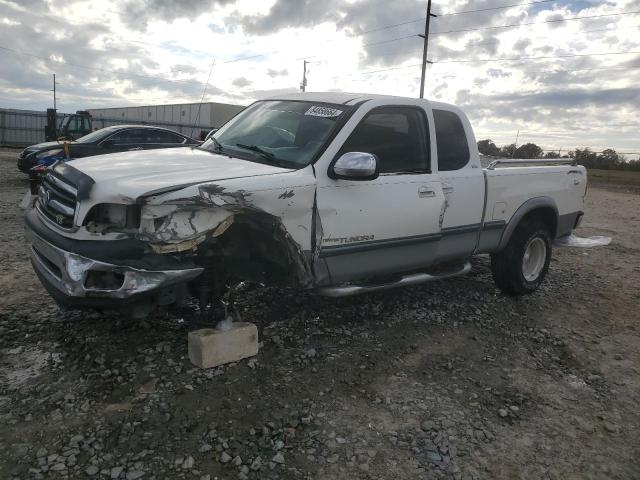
[342, 193]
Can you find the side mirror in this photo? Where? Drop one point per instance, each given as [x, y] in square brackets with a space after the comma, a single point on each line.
[355, 166]
[108, 143]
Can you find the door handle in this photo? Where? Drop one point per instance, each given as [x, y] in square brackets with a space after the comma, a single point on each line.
[447, 187]
[425, 192]
[135, 148]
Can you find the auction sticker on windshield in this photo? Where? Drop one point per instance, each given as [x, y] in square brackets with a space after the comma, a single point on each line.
[327, 112]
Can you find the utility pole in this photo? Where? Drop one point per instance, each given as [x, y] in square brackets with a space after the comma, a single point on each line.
[54, 91]
[303, 85]
[425, 47]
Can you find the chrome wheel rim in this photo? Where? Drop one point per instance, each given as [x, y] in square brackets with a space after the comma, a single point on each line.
[535, 256]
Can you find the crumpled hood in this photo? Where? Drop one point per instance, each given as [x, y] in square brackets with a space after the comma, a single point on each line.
[133, 174]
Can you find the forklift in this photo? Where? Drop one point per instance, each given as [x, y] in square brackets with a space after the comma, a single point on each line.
[71, 127]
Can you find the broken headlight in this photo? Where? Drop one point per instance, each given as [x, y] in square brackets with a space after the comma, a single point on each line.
[114, 216]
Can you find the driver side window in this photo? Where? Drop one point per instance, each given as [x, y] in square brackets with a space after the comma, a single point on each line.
[396, 135]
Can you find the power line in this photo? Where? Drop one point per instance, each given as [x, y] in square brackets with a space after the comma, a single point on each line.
[390, 40]
[159, 79]
[494, 8]
[251, 57]
[496, 40]
[535, 23]
[631, 67]
[378, 71]
[396, 39]
[517, 59]
[569, 70]
[365, 32]
[422, 19]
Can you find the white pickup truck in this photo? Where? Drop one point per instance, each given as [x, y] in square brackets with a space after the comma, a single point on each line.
[341, 193]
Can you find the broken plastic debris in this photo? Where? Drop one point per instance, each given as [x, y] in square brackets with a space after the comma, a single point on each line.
[584, 242]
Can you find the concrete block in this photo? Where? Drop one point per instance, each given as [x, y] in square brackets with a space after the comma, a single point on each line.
[210, 347]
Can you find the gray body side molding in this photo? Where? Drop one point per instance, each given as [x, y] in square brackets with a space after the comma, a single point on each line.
[528, 206]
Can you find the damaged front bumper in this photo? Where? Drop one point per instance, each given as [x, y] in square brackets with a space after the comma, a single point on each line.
[75, 280]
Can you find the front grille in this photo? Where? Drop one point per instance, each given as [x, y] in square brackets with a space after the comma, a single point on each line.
[57, 200]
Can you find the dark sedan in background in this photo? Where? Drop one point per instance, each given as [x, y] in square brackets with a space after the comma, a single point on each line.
[119, 138]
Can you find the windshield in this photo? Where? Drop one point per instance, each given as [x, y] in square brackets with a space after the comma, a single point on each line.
[284, 133]
[96, 136]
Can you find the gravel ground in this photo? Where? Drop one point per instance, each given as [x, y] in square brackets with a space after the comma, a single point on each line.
[449, 380]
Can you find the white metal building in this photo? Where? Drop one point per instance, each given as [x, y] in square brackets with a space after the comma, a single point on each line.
[181, 117]
[19, 128]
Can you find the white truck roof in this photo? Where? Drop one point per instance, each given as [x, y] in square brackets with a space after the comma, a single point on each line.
[348, 98]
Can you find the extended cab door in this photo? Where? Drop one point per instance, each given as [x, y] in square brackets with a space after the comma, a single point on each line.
[462, 183]
[389, 224]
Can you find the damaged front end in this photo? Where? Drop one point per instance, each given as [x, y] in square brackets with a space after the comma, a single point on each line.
[162, 247]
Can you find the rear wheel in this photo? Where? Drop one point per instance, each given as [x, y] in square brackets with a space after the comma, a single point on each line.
[522, 265]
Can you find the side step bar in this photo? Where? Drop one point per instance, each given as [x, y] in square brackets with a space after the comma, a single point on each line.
[413, 279]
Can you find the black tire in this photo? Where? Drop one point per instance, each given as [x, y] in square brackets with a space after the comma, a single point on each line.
[507, 265]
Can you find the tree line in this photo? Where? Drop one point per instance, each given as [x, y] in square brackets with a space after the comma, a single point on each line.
[608, 159]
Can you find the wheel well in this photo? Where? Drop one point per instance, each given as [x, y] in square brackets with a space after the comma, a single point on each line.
[255, 248]
[545, 215]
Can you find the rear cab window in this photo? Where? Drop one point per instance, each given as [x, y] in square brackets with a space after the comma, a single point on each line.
[451, 139]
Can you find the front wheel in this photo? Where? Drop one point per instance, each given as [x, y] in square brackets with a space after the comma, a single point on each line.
[522, 265]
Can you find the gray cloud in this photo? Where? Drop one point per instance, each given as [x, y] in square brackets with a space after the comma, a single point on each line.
[572, 110]
[137, 14]
[180, 68]
[552, 95]
[291, 13]
[277, 73]
[82, 70]
[241, 82]
[521, 45]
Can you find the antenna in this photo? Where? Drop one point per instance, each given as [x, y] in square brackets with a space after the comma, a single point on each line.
[204, 91]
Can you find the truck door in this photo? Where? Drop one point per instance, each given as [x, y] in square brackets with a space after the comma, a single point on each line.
[462, 183]
[389, 224]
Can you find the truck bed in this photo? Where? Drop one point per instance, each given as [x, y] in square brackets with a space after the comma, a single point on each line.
[511, 183]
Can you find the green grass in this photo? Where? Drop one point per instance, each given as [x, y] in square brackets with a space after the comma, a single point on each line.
[620, 177]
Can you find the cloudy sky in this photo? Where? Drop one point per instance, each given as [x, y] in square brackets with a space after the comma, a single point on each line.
[570, 77]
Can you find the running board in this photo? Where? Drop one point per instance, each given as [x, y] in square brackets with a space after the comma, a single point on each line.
[413, 279]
